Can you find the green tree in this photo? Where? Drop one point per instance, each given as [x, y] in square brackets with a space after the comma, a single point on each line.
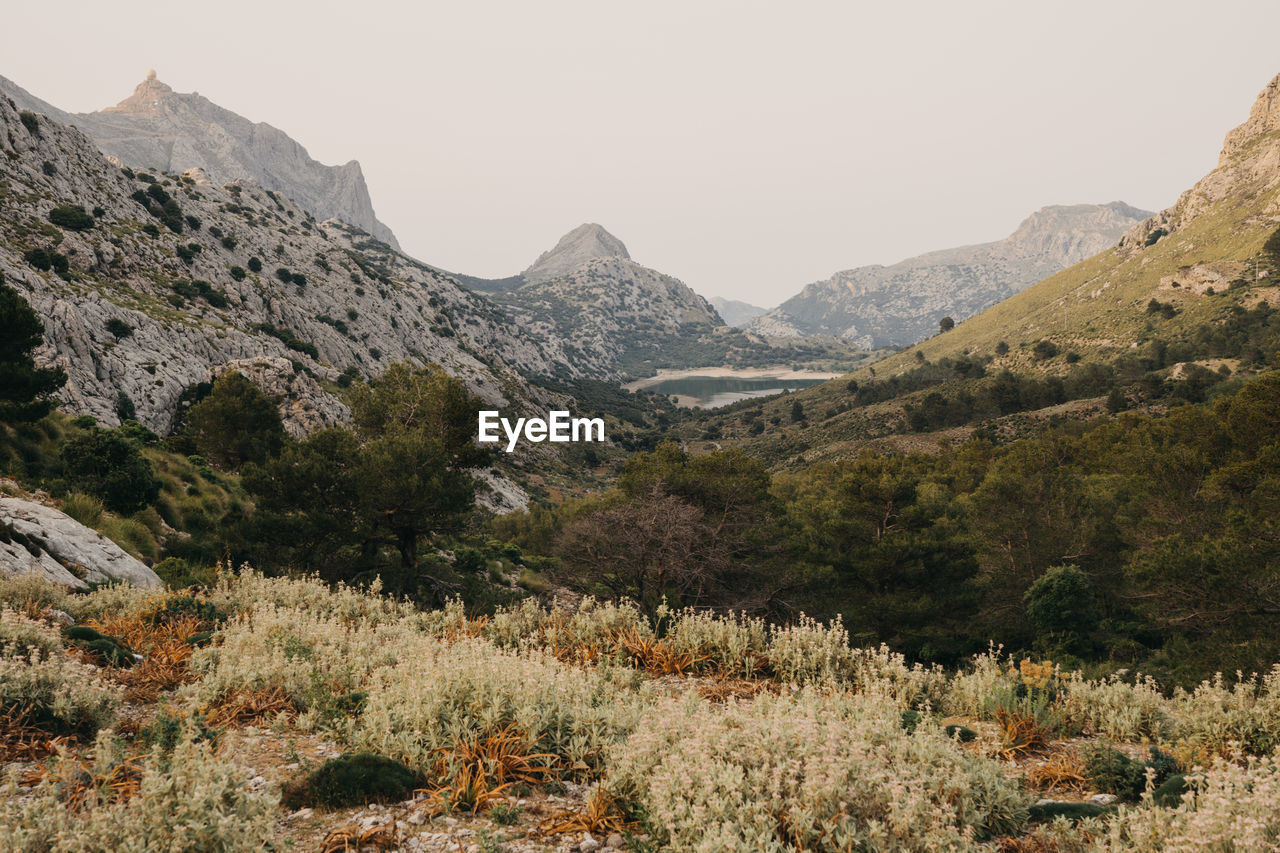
[946, 324]
[107, 465]
[1062, 608]
[235, 424]
[24, 388]
[402, 473]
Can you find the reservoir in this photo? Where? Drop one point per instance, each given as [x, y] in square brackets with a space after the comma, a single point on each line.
[708, 390]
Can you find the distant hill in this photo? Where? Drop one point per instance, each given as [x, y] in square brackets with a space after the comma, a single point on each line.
[878, 306]
[735, 312]
[159, 129]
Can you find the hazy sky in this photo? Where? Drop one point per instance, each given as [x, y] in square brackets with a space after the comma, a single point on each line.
[746, 147]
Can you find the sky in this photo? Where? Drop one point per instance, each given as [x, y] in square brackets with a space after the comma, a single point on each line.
[747, 148]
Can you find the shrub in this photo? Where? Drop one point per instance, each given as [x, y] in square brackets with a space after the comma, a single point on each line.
[284, 275]
[187, 800]
[85, 509]
[255, 265]
[108, 466]
[236, 423]
[1044, 350]
[119, 328]
[72, 217]
[48, 689]
[352, 780]
[30, 121]
[1230, 806]
[811, 772]
[238, 273]
[442, 695]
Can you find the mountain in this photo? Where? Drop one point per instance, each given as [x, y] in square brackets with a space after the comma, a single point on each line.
[877, 306]
[1186, 299]
[606, 308]
[735, 312]
[149, 285]
[160, 129]
[585, 243]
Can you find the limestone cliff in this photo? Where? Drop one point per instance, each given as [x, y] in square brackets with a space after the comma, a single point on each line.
[161, 281]
[160, 129]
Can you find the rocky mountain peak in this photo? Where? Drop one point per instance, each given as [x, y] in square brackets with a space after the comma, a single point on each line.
[1248, 167]
[584, 243]
[147, 97]
[1264, 118]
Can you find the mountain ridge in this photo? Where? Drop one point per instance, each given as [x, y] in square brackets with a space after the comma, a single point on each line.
[899, 304]
[160, 129]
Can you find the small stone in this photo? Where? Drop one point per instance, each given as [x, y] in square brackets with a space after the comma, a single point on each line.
[614, 841]
[589, 844]
[1045, 801]
[418, 818]
[300, 814]
[62, 617]
[1103, 799]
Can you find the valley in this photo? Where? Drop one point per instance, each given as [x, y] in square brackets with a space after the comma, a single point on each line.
[975, 551]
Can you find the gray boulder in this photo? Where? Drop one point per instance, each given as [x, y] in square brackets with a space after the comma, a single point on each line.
[40, 539]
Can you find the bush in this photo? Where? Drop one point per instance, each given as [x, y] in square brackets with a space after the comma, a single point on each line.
[119, 328]
[352, 780]
[188, 799]
[85, 509]
[108, 466]
[810, 772]
[255, 265]
[238, 273]
[72, 217]
[54, 692]
[235, 424]
[30, 121]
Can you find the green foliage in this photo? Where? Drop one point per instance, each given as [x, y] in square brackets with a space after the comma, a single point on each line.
[118, 328]
[24, 388]
[105, 464]
[1061, 606]
[946, 324]
[352, 780]
[1073, 812]
[335, 499]
[30, 121]
[255, 265]
[1113, 772]
[72, 217]
[235, 424]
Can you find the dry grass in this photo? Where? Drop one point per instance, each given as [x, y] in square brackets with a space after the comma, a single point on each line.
[23, 740]
[241, 707]
[479, 771]
[352, 838]
[1022, 734]
[601, 815]
[721, 690]
[1063, 770]
[655, 656]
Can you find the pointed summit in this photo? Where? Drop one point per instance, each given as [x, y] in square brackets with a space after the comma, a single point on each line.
[146, 96]
[582, 244]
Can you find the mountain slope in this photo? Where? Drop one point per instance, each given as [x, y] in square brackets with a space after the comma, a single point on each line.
[159, 129]
[878, 306]
[736, 312]
[156, 284]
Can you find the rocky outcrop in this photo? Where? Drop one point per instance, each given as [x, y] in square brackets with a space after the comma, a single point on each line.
[147, 307]
[160, 129]
[39, 539]
[1248, 167]
[879, 306]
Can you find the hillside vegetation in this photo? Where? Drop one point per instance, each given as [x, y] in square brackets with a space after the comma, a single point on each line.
[259, 706]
